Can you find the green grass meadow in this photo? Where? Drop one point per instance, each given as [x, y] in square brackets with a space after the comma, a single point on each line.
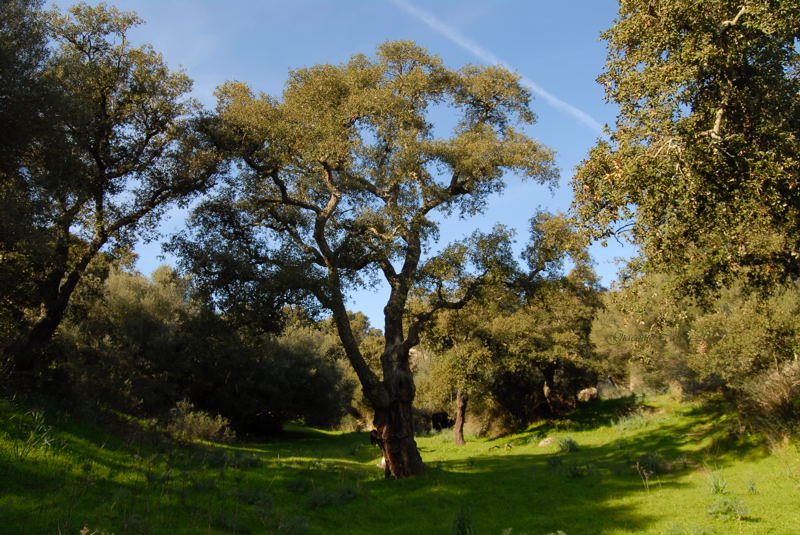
[658, 467]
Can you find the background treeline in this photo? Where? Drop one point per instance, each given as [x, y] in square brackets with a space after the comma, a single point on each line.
[141, 345]
[740, 343]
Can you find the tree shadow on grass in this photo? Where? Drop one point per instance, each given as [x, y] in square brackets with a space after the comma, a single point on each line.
[532, 490]
[518, 491]
[315, 444]
[602, 412]
[597, 489]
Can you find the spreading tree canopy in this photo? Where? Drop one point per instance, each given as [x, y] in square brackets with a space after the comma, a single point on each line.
[344, 179]
[703, 164]
[112, 147]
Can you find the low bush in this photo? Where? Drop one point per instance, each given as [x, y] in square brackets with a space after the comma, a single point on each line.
[187, 423]
[575, 471]
[652, 462]
[631, 422]
[567, 445]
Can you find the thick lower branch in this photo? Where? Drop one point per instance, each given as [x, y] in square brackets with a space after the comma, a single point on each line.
[44, 327]
[373, 390]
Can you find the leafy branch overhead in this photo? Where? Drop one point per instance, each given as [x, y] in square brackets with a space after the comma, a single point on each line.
[702, 166]
[340, 179]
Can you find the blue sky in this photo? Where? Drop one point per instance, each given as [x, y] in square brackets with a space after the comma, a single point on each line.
[554, 46]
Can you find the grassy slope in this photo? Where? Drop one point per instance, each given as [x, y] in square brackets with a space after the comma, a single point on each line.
[122, 483]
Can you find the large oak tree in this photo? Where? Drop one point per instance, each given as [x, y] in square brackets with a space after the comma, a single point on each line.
[344, 179]
[113, 146]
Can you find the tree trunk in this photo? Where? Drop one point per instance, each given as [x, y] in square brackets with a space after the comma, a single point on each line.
[395, 427]
[461, 412]
[23, 351]
[547, 388]
[25, 348]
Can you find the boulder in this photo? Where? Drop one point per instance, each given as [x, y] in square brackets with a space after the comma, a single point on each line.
[587, 394]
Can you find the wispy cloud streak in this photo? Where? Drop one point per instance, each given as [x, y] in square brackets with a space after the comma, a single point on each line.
[487, 56]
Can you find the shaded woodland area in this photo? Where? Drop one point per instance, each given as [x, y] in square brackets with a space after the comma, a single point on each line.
[339, 182]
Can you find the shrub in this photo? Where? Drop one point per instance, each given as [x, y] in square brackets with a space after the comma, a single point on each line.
[186, 423]
[717, 485]
[728, 509]
[575, 471]
[567, 445]
[652, 462]
[631, 422]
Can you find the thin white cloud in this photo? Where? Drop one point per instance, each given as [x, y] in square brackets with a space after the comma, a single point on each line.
[487, 56]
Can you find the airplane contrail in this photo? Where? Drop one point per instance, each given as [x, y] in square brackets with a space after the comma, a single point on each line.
[488, 57]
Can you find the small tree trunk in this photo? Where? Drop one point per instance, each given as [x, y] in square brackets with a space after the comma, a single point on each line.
[395, 427]
[547, 388]
[461, 412]
[25, 348]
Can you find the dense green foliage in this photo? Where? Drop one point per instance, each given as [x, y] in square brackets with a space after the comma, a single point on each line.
[22, 54]
[702, 165]
[97, 140]
[743, 345]
[520, 350]
[108, 147]
[137, 347]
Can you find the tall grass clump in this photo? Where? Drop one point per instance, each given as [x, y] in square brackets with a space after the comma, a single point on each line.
[717, 485]
[461, 525]
[631, 422]
[29, 432]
